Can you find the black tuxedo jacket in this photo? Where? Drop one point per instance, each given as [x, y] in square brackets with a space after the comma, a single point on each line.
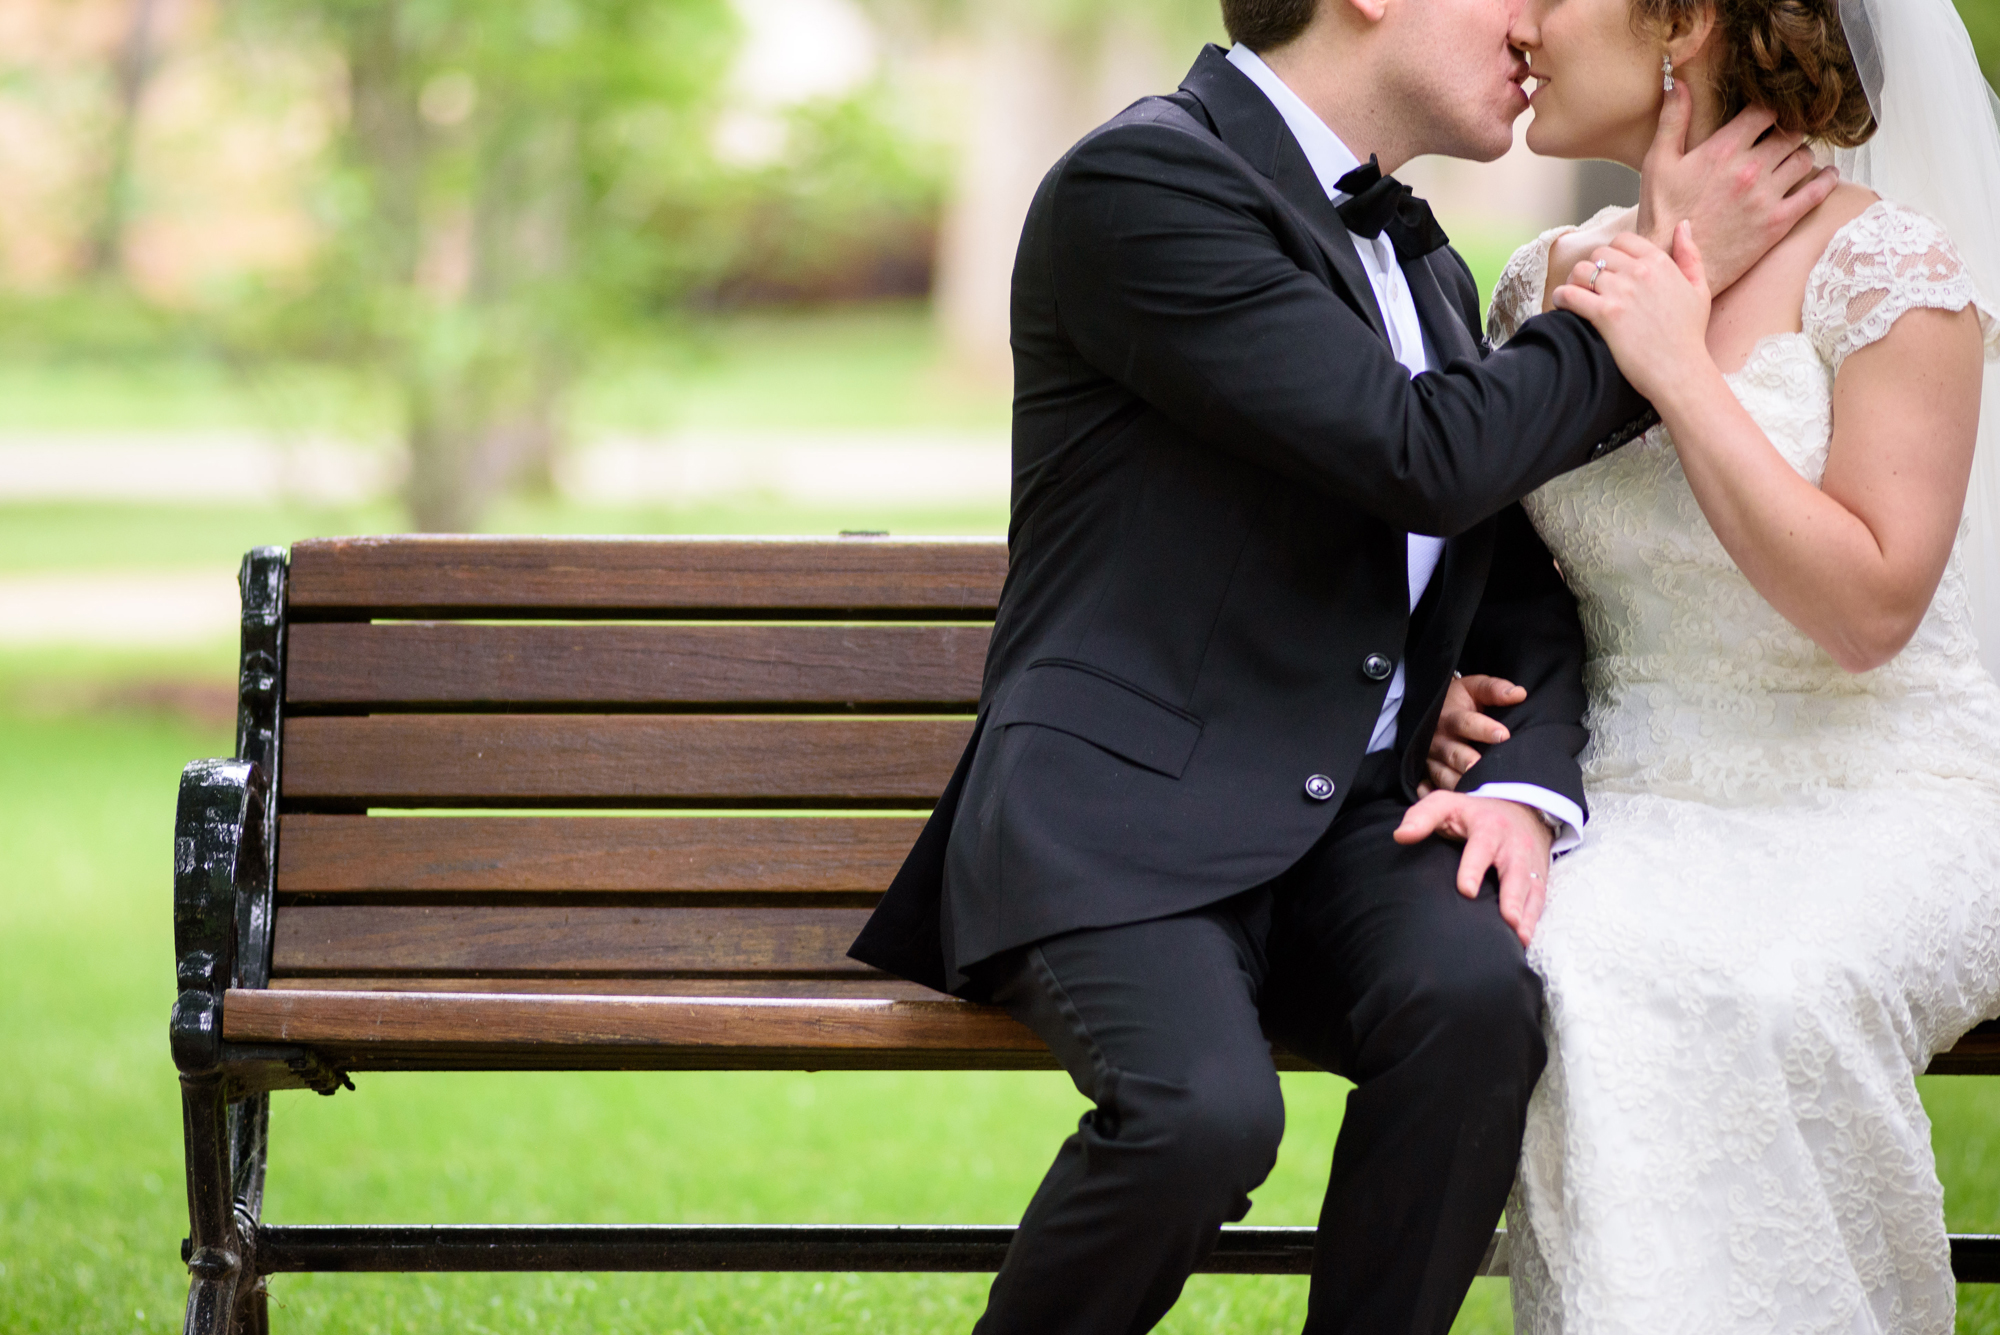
[1216, 462]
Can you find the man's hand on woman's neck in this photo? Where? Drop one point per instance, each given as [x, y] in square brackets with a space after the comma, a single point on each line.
[1743, 190]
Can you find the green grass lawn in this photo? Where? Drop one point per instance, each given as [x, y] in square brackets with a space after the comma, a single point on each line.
[91, 1210]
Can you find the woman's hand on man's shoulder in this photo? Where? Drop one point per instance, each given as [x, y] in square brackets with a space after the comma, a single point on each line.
[1579, 244]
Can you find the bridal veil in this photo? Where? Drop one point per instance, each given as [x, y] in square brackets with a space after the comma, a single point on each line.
[1937, 149]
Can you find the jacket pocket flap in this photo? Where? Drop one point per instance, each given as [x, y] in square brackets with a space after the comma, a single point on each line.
[1103, 711]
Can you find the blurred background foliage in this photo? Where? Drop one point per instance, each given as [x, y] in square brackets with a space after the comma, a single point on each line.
[498, 200]
[465, 209]
[462, 208]
[1982, 20]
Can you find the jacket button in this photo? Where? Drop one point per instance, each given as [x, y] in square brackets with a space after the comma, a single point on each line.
[1377, 667]
[1319, 788]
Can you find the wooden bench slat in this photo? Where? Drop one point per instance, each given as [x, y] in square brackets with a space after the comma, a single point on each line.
[408, 576]
[876, 988]
[1977, 1053]
[471, 1021]
[361, 1031]
[640, 760]
[490, 939]
[608, 854]
[428, 1031]
[580, 666]
[382, 1031]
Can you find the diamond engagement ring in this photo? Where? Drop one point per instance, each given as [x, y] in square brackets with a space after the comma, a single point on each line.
[1597, 273]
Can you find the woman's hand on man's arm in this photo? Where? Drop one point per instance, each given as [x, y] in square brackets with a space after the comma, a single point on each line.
[1462, 728]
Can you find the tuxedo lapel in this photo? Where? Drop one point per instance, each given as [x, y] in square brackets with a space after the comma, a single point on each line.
[1300, 186]
[1245, 120]
[1446, 337]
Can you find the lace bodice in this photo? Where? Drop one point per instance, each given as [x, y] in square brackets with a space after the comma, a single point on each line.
[1698, 687]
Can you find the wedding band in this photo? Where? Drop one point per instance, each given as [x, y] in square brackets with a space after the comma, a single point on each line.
[1597, 274]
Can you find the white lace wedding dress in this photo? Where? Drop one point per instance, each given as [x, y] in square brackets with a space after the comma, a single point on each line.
[1788, 898]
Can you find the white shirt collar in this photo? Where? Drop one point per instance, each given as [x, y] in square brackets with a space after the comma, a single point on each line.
[1330, 158]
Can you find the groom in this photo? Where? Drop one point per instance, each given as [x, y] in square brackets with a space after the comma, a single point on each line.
[1265, 486]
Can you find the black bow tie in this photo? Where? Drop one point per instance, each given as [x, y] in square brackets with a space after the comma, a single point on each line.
[1379, 203]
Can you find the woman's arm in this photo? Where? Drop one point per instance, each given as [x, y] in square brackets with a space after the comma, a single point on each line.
[1855, 561]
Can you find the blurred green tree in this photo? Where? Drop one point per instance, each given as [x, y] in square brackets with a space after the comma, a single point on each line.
[490, 216]
[845, 208]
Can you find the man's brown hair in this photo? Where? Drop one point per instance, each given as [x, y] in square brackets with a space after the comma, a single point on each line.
[1263, 24]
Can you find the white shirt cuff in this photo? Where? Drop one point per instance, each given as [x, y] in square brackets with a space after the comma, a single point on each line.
[1554, 805]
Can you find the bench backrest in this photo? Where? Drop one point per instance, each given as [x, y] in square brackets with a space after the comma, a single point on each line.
[674, 766]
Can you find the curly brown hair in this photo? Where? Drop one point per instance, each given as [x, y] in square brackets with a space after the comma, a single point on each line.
[1788, 56]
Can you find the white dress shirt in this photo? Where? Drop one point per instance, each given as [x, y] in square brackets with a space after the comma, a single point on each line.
[1331, 159]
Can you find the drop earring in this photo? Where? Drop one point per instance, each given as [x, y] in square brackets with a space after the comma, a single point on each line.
[1667, 74]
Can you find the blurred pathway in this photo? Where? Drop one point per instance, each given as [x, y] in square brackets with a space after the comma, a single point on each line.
[123, 609]
[193, 607]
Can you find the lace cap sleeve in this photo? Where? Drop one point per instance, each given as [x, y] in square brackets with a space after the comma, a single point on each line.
[1884, 263]
[1517, 297]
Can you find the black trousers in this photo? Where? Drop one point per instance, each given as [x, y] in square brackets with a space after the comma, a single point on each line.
[1364, 959]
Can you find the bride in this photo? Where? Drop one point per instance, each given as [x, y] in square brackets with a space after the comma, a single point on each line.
[1789, 895]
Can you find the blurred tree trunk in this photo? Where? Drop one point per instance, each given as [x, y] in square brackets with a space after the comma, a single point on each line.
[1037, 83]
[497, 209]
[131, 72]
[1600, 185]
[1023, 112]
[524, 234]
[482, 385]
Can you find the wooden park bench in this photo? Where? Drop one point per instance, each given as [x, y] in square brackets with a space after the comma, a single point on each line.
[799, 686]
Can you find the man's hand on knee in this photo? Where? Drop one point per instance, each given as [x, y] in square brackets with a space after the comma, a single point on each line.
[1500, 836]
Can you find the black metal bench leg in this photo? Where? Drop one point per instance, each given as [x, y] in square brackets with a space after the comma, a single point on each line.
[249, 1143]
[216, 1255]
[254, 1311]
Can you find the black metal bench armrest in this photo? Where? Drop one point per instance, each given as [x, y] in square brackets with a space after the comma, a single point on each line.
[220, 868]
[225, 835]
